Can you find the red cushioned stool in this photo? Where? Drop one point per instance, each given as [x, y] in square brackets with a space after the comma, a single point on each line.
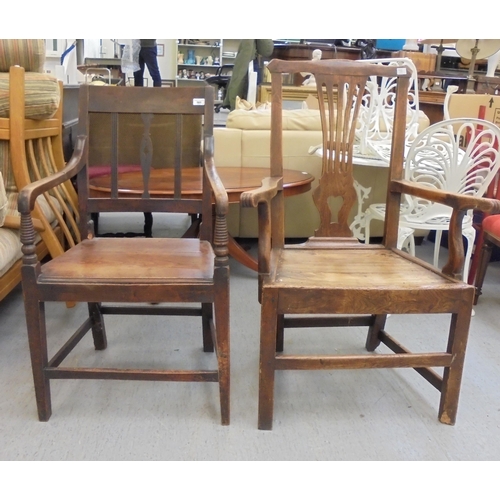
[491, 238]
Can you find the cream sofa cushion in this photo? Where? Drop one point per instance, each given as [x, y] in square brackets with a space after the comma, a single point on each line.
[10, 249]
[41, 94]
[296, 119]
[3, 201]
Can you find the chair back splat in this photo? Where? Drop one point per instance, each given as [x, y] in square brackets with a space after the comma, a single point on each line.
[332, 280]
[160, 131]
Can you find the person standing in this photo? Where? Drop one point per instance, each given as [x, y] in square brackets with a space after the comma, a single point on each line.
[148, 57]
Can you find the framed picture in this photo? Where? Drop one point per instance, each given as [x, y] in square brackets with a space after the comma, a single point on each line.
[168, 83]
[160, 49]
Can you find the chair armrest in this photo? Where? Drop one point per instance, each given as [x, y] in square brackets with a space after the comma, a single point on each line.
[264, 194]
[460, 204]
[219, 191]
[261, 198]
[453, 200]
[221, 203]
[29, 194]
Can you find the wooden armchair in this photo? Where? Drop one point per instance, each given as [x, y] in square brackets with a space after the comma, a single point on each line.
[153, 276]
[31, 149]
[332, 280]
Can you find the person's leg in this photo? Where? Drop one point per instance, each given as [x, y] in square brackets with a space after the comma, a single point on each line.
[139, 74]
[150, 58]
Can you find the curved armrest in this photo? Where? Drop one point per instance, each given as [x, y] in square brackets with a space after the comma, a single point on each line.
[29, 193]
[220, 193]
[453, 200]
[264, 194]
[460, 204]
[221, 203]
[261, 198]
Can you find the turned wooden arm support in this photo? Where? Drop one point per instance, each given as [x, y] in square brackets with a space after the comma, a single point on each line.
[460, 205]
[30, 193]
[221, 205]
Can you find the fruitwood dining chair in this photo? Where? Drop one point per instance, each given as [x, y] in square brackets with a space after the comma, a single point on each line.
[137, 276]
[332, 280]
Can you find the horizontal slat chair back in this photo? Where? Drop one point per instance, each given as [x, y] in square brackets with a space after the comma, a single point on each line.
[157, 130]
[341, 86]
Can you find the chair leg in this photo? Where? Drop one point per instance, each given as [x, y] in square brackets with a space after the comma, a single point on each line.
[372, 340]
[368, 221]
[437, 247]
[269, 321]
[95, 220]
[37, 338]
[148, 224]
[470, 235]
[484, 260]
[452, 376]
[207, 321]
[280, 333]
[223, 348]
[98, 328]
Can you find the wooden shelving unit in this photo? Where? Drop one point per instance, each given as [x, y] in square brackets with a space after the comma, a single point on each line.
[193, 66]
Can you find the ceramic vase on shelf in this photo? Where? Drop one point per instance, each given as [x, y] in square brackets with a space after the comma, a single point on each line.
[198, 59]
[191, 59]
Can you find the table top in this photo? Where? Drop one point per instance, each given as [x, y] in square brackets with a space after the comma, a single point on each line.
[236, 180]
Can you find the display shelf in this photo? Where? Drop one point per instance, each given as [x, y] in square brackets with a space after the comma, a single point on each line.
[196, 58]
[191, 55]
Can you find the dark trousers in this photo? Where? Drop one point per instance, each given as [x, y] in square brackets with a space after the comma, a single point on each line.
[147, 57]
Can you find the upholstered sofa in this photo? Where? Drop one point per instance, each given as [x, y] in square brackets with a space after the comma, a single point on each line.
[245, 142]
[30, 148]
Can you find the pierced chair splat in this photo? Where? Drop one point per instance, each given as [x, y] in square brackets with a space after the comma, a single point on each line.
[333, 280]
[138, 276]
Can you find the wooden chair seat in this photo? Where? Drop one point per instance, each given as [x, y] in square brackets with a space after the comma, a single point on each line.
[384, 280]
[108, 260]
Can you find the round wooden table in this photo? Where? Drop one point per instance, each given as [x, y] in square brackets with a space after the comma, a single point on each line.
[236, 180]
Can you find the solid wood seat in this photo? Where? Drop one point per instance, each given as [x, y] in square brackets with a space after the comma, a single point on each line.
[332, 280]
[139, 276]
[189, 260]
[384, 271]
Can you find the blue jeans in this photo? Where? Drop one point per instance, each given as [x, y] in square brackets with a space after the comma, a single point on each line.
[148, 57]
